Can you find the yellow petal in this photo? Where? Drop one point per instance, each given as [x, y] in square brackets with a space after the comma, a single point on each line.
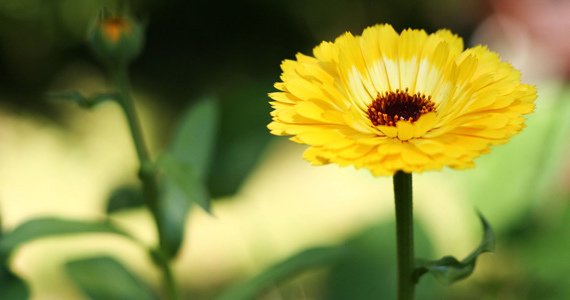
[406, 130]
[429, 146]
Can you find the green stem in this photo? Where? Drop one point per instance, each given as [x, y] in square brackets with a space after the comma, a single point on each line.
[146, 173]
[124, 89]
[404, 234]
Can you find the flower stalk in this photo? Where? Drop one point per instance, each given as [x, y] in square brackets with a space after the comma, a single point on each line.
[397, 103]
[404, 234]
[117, 39]
[147, 173]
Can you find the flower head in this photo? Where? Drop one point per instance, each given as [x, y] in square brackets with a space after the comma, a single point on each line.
[388, 102]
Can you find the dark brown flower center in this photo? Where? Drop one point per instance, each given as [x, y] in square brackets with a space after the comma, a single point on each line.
[389, 108]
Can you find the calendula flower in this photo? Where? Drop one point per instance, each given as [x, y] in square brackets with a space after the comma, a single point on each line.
[388, 102]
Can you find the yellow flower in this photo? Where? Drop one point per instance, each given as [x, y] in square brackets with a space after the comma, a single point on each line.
[388, 102]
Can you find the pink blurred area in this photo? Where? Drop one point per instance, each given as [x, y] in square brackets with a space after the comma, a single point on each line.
[531, 33]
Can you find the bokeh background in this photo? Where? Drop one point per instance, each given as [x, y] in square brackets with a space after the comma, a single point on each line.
[59, 160]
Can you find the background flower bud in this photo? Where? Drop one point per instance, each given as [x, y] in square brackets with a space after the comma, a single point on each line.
[116, 38]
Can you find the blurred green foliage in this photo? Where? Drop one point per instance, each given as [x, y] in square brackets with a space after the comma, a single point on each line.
[103, 278]
[232, 50]
[186, 165]
[369, 272]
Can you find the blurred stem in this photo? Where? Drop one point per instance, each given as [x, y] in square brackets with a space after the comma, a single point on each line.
[146, 173]
[404, 234]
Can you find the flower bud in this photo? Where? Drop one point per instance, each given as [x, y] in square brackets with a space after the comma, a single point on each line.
[116, 39]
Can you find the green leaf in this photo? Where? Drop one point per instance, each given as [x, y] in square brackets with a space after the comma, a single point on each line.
[195, 136]
[104, 278]
[82, 101]
[11, 286]
[175, 205]
[311, 258]
[45, 227]
[186, 178]
[182, 188]
[125, 197]
[186, 165]
[448, 269]
[242, 137]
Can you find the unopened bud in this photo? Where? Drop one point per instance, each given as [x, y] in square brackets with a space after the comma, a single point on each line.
[116, 39]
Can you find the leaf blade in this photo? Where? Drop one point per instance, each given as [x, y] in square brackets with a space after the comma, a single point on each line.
[12, 287]
[124, 198]
[185, 178]
[81, 100]
[310, 258]
[46, 227]
[186, 164]
[104, 278]
[195, 136]
[448, 269]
